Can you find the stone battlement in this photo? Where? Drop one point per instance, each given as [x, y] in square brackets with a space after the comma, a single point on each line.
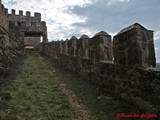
[132, 46]
[3, 17]
[28, 28]
[122, 69]
[28, 13]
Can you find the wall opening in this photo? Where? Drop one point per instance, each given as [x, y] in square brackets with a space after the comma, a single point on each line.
[41, 39]
[19, 24]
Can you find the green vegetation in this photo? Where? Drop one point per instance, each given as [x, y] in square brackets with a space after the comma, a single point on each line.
[34, 94]
[102, 107]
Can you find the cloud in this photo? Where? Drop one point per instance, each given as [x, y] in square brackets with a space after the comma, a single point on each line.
[118, 15]
[66, 18]
[111, 2]
[157, 35]
[157, 50]
[88, 16]
[12, 2]
[54, 12]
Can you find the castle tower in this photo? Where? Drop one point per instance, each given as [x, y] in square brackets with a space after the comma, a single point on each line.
[134, 46]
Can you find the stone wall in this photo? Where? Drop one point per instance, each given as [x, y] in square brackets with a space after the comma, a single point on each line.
[134, 46]
[11, 50]
[32, 41]
[92, 59]
[24, 25]
[28, 26]
[3, 17]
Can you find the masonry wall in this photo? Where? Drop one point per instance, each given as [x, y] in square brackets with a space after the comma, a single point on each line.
[29, 41]
[11, 51]
[3, 17]
[137, 86]
[134, 46]
[24, 26]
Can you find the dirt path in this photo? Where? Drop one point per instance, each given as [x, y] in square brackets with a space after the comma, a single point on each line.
[38, 93]
[81, 111]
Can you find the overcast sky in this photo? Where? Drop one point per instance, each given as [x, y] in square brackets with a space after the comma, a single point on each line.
[66, 18]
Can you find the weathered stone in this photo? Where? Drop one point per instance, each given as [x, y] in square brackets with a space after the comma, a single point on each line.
[83, 47]
[3, 17]
[72, 46]
[65, 47]
[101, 47]
[134, 46]
[25, 27]
[58, 47]
[31, 41]
[135, 89]
[10, 50]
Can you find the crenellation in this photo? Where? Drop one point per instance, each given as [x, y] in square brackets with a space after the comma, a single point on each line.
[28, 13]
[2, 7]
[134, 46]
[122, 69]
[130, 76]
[3, 10]
[83, 47]
[13, 12]
[65, 47]
[6, 11]
[3, 17]
[72, 46]
[37, 16]
[24, 27]
[101, 47]
[43, 24]
[20, 12]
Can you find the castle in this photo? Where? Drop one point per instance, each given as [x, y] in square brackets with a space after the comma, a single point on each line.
[119, 68]
[132, 46]
[27, 28]
[122, 68]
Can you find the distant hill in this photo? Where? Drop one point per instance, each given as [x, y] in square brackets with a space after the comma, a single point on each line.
[158, 65]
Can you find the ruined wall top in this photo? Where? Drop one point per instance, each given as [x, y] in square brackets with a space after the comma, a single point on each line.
[134, 46]
[84, 37]
[21, 17]
[101, 33]
[28, 13]
[134, 26]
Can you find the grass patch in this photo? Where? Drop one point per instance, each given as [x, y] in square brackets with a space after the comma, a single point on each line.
[34, 94]
[101, 107]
